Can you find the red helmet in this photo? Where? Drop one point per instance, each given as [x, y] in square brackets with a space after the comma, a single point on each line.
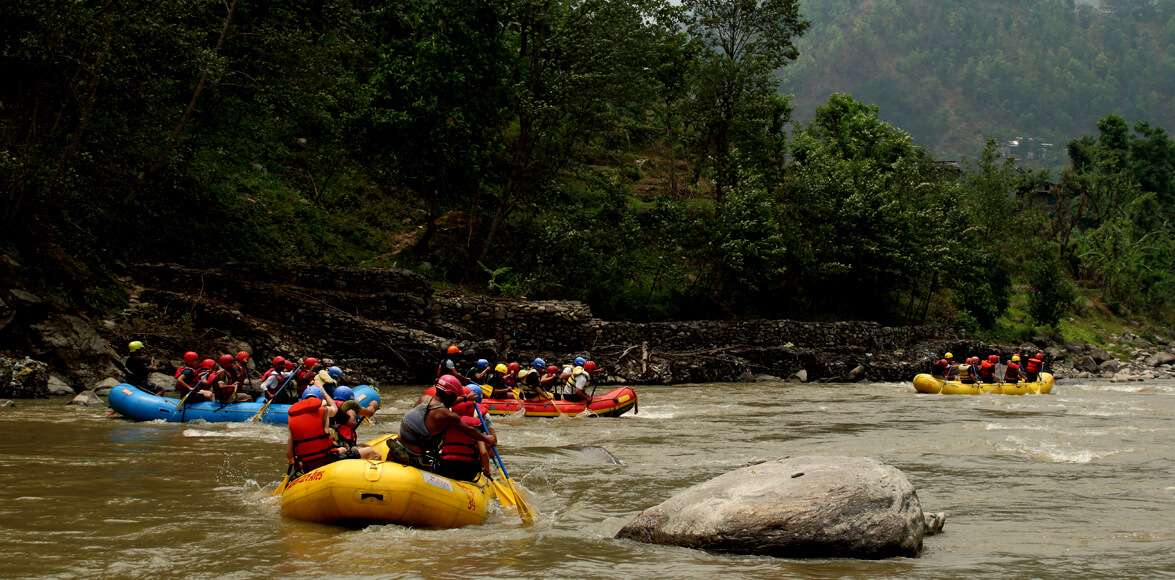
[589, 366]
[309, 362]
[289, 365]
[191, 357]
[995, 358]
[207, 363]
[242, 356]
[225, 360]
[453, 349]
[1040, 355]
[279, 361]
[552, 370]
[514, 367]
[449, 384]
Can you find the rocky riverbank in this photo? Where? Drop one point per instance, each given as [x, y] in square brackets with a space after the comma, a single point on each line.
[388, 326]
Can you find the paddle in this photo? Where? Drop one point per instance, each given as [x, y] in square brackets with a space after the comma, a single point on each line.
[551, 398]
[525, 513]
[281, 486]
[182, 407]
[264, 407]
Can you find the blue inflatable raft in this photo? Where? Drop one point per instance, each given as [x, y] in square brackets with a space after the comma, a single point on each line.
[134, 403]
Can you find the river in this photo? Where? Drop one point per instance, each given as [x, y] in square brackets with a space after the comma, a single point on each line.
[1075, 484]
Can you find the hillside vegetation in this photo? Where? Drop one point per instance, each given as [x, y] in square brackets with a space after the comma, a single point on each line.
[955, 72]
[633, 154]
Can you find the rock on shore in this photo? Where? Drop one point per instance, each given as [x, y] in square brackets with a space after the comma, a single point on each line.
[23, 378]
[801, 507]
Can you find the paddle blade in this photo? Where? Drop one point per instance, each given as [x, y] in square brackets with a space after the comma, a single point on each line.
[281, 487]
[505, 496]
[525, 512]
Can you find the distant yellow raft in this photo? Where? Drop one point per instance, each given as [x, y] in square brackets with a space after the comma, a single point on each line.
[925, 383]
[356, 491]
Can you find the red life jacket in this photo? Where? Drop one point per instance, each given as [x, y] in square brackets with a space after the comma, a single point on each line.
[312, 444]
[1013, 373]
[302, 380]
[343, 427]
[455, 444]
[208, 379]
[986, 368]
[1033, 365]
[195, 379]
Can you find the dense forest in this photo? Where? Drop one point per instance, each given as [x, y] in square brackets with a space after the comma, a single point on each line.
[955, 72]
[633, 154]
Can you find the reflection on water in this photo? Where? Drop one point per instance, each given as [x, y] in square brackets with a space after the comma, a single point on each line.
[1079, 483]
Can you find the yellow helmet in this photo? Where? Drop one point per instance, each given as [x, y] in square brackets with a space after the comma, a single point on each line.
[1015, 358]
[134, 345]
[949, 355]
[501, 368]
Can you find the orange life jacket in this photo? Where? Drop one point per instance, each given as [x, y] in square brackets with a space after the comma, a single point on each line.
[1033, 365]
[312, 444]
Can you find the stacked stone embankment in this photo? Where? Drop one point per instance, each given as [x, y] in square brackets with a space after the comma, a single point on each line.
[389, 326]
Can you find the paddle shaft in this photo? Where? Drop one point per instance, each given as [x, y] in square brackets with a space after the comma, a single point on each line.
[265, 407]
[485, 425]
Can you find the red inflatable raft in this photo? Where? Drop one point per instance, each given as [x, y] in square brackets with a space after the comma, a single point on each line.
[614, 403]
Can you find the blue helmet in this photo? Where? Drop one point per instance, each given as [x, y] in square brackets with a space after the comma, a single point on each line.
[313, 392]
[344, 394]
[579, 360]
[538, 363]
[335, 373]
[474, 390]
[482, 363]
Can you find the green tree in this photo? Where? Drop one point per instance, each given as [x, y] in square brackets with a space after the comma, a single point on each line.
[735, 101]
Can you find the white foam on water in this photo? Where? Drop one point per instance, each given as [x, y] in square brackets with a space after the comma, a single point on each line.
[1001, 427]
[644, 414]
[272, 435]
[29, 498]
[1053, 453]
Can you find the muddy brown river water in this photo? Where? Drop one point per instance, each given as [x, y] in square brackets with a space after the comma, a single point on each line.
[1080, 483]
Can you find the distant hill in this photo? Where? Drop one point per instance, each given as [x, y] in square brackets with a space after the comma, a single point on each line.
[1031, 73]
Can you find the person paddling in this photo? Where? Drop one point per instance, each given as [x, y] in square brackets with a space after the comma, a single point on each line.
[942, 368]
[1012, 374]
[345, 424]
[138, 368]
[496, 381]
[448, 364]
[987, 369]
[1033, 368]
[423, 427]
[478, 372]
[575, 389]
[460, 456]
[187, 378]
[309, 445]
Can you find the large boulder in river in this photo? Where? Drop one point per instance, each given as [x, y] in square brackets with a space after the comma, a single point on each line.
[803, 507]
[1160, 359]
[23, 378]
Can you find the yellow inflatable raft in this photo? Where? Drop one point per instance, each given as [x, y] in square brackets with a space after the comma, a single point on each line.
[925, 383]
[357, 491]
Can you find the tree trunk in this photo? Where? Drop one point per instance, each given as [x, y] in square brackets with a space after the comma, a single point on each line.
[179, 127]
[74, 144]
